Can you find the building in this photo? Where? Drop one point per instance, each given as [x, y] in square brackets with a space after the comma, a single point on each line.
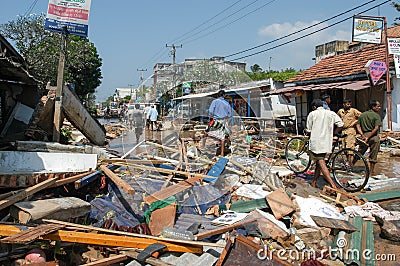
[343, 75]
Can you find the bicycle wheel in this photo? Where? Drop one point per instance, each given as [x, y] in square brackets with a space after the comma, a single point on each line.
[296, 154]
[350, 177]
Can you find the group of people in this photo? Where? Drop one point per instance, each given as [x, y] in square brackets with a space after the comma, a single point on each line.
[323, 124]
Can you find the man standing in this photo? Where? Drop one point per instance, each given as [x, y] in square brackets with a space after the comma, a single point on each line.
[320, 123]
[349, 116]
[326, 98]
[220, 111]
[152, 115]
[220, 108]
[368, 126]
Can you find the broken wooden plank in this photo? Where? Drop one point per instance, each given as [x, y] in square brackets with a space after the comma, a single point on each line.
[33, 233]
[26, 193]
[161, 170]
[92, 228]
[329, 190]
[173, 190]
[333, 223]
[108, 261]
[71, 179]
[223, 229]
[152, 261]
[280, 203]
[106, 240]
[78, 115]
[117, 180]
[195, 157]
[160, 218]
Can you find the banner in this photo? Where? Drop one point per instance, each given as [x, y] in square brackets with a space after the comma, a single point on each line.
[394, 45]
[73, 14]
[396, 59]
[367, 30]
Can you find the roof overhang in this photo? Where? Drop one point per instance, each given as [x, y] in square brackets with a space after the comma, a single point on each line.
[346, 85]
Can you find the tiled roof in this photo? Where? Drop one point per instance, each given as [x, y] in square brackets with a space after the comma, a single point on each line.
[348, 63]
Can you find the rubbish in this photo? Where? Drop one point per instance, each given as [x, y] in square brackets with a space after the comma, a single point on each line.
[58, 208]
[280, 203]
[173, 233]
[389, 229]
[370, 210]
[229, 218]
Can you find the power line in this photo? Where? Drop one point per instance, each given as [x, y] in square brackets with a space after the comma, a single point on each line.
[293, 33]
[221, 20]
[205, 22]
[30, 8]
[225, 25]
[301, 37]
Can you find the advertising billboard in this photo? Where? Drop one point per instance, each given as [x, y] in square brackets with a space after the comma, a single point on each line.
[73, 14]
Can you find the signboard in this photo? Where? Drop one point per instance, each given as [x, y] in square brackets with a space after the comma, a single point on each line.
[367, 30]
[73, 14]
[186, 87]
[394, 45]
[396, 59]
[375, 70]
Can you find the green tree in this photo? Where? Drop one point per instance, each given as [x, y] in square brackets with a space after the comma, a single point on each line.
[282, 75]
[256, 68]
[41, 50]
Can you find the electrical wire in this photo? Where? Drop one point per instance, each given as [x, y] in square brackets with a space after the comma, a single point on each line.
[225, 25]
[205, 22]
[301, 37]
[293, 33]
[221, 20]
[30, 8]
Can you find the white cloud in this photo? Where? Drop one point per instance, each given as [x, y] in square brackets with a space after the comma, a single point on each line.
[299, 53]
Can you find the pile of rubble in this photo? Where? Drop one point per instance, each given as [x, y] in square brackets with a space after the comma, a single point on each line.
[165, 202]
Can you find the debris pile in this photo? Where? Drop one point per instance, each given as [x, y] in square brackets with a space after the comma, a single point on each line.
[167, 201]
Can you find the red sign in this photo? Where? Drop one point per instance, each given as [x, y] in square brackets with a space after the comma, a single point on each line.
[375, 69]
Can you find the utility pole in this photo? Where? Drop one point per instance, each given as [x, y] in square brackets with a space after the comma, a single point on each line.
[60, 84]
[173, 51]
[141, 80]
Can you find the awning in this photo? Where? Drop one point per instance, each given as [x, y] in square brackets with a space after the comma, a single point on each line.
[197, 95]
[347, 85]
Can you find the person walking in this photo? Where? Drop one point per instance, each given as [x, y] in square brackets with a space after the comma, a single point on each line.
[152, 115]
[349, 116]
[137, 121]
[368, 126]
[146, 112]
[320, 124]
[220, 112]
[326, 98]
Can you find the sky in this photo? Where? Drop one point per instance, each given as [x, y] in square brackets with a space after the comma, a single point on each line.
[132, 35]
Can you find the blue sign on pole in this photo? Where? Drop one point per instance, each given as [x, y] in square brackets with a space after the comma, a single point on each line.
[71, 14]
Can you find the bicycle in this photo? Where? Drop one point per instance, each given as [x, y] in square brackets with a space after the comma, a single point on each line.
[349, 167]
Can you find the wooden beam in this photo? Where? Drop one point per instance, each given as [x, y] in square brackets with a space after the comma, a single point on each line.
[92, 228]
[108, 261]
[71, 179]
[106, 240]
[119, 160]
[223, 229]
[117, 180]
[26, 193]
[196, 157]
[172, 190]
[161, 170]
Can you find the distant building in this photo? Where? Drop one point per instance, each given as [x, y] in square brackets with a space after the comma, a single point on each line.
[121, 93]
[329, 49]
[166, 74]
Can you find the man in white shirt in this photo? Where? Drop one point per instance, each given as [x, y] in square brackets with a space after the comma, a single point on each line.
[321, 122]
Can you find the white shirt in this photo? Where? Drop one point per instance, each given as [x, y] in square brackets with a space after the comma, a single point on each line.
[320, 122]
